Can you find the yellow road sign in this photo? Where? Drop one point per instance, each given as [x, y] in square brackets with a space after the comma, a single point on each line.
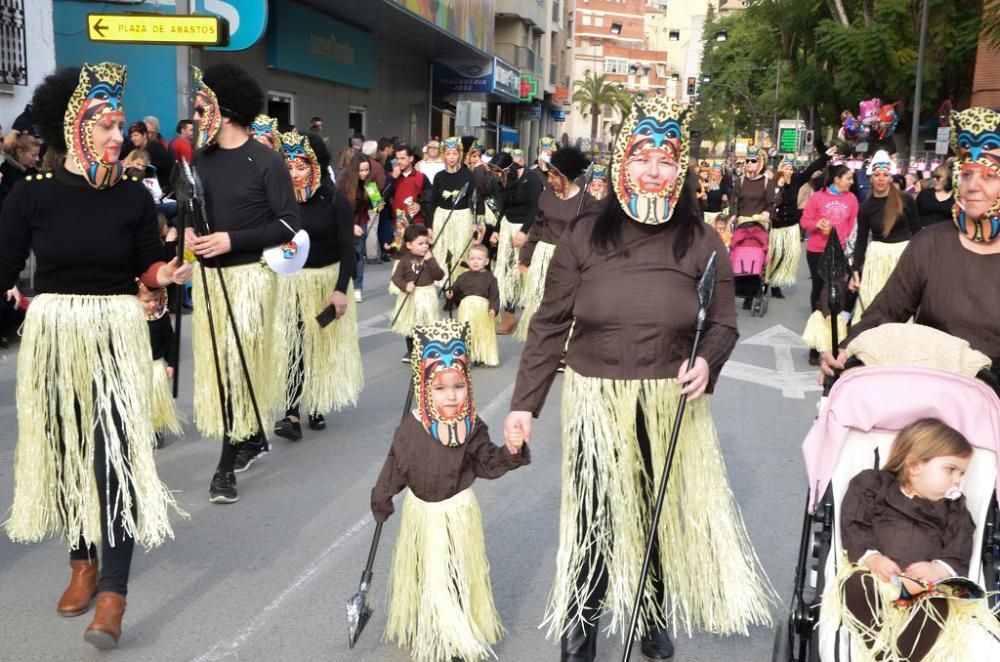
[158, 29]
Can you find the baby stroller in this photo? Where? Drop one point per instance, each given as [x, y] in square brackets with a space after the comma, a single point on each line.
[748, 254]
[855, 428]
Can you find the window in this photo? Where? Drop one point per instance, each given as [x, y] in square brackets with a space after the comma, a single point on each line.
[599, 20]
[585, 19]
[615, 65]
[661, 71]
[674, 35]
[13, 50]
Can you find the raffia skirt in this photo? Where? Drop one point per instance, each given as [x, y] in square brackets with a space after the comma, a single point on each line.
[784, 255]
[817, 332]
[952, 643]
[84, 362]
[534, 286]
[440, 596]
[332, 377]
[418, 308]
[880, 260]
[712, 578]
[451, 240]
[166, 416]
[252, 290]
[483, 345]
[505, 269]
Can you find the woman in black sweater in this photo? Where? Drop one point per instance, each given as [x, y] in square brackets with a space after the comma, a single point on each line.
[934, 204]
[84, 462]
[323, 362]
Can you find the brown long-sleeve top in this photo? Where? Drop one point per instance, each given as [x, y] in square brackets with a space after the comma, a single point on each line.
[435, 472]
[554, 215]
[477, 284]
[635, 310]
[954, 289]
[409, 265]
[876, 515]
[754, 196]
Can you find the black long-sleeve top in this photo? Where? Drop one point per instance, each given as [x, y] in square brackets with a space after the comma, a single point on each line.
[870, 219]
[163, 340]
[521, 199]
[11, 173]
[85, 240]
[445, 190]
[932, 210]
[247, 189]
[329, 220]
[786, 210]
[435, 472]
[477, 284]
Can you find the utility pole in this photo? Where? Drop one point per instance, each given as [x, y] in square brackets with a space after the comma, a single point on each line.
[777, 88]
[919, 88]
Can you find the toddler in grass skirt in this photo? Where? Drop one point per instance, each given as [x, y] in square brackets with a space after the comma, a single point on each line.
[477, 295]
[440, 597]
[166, 416]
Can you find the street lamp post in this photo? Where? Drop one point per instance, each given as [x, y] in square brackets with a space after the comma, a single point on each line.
[919, 88]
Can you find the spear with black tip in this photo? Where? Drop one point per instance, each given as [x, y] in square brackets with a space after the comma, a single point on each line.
[184, 194]
[706, 289]
[835, 270]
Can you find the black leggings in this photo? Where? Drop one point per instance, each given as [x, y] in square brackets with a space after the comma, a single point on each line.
[595, 592]
[117, 560]
[812, 259]
[296, 381]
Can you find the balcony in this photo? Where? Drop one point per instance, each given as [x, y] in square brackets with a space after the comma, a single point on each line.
[530, 11]
[520, 56]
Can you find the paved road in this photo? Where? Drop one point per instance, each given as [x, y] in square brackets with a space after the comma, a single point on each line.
[266, 578]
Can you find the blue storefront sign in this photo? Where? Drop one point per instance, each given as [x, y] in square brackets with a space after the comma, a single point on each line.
[506, 80]
[559, 115]
[462, 76]
[304, 41]
[247, 20]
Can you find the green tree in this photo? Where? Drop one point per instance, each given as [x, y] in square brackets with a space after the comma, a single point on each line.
[591, 95]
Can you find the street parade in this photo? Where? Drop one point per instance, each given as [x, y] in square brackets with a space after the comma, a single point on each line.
[722, 274]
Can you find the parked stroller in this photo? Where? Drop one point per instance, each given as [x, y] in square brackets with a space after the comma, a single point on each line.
[855, 428]
[748, 254]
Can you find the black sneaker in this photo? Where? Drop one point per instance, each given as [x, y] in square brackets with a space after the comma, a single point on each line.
[159, 441]
[317, 422]
[776, 293]
[288, 429]
[223, 489]
[656, 646]
[747, 303]
[249, 453]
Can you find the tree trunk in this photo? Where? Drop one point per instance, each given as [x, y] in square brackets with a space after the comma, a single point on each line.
[837, 12]
[594, 112]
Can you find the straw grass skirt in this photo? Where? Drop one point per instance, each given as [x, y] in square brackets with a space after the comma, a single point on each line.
[784, 255]
[880, 260]
[332, 377]
[83, 363]
[483, 345]
[166, 416]
[713, 579]
[418, 308]
[454, 238]
[534, 286]
[440, 597]
[817, 333]
[252, 290]
[951, 645]
[505, 269]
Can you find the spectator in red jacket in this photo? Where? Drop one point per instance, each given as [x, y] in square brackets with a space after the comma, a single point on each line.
[182, 145]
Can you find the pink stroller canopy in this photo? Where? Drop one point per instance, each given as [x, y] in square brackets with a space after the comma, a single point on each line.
[888, 399]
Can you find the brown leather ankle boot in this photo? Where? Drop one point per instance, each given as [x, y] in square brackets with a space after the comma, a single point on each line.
[104, 631]
[508, 322]
[76, 598]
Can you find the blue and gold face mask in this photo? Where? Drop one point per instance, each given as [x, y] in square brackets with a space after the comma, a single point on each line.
[302, 164]
[438, 349]
[97, 100]
[206, 104]
[975, 137]
[264, 130]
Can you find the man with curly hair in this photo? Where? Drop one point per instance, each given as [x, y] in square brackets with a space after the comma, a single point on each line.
[250, 205]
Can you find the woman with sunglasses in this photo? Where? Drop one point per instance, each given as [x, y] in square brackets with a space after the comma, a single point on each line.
[753, 196]
[947, 279]
[935, 204]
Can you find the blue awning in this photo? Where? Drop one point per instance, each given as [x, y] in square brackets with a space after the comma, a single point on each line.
[509, 136]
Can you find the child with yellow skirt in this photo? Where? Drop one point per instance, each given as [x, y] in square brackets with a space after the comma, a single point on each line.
[414, 277]
[440, 597]
[477, 294]
[166, 416]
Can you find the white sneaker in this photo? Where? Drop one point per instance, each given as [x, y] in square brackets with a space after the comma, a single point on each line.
[357, 296]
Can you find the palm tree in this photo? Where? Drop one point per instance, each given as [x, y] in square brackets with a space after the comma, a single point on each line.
[591, 95]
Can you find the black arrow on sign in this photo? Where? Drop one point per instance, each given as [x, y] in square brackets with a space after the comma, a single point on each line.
[99, 28]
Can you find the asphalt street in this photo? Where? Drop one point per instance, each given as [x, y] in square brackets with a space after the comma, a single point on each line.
[267, 578]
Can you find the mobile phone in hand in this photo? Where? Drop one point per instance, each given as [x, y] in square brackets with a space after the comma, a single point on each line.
[326, 316]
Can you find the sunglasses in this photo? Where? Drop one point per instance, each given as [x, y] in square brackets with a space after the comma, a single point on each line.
[753, 161]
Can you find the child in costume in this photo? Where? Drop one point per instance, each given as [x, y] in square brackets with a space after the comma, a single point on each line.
[166, 417]
[477, 294]
[440, 598]
[414, 276]
[905, 528]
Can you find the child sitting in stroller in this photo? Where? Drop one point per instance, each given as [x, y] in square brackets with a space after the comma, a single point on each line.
[905, 528]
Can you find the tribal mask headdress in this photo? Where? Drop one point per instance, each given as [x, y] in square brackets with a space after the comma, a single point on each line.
[455, 143]
[440, 347]
[882, 161]
[975, 137]
[96, 100]
[207, 104]
[649, 160]
[264, 130]
[546, 145]
[296, 149]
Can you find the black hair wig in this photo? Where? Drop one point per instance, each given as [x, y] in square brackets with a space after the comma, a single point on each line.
[48, 105]
[240, 97]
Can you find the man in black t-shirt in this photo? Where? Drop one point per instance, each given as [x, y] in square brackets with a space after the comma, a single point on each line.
[250, 206]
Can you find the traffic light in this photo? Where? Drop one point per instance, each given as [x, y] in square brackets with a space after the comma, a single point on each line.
[691, 83]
